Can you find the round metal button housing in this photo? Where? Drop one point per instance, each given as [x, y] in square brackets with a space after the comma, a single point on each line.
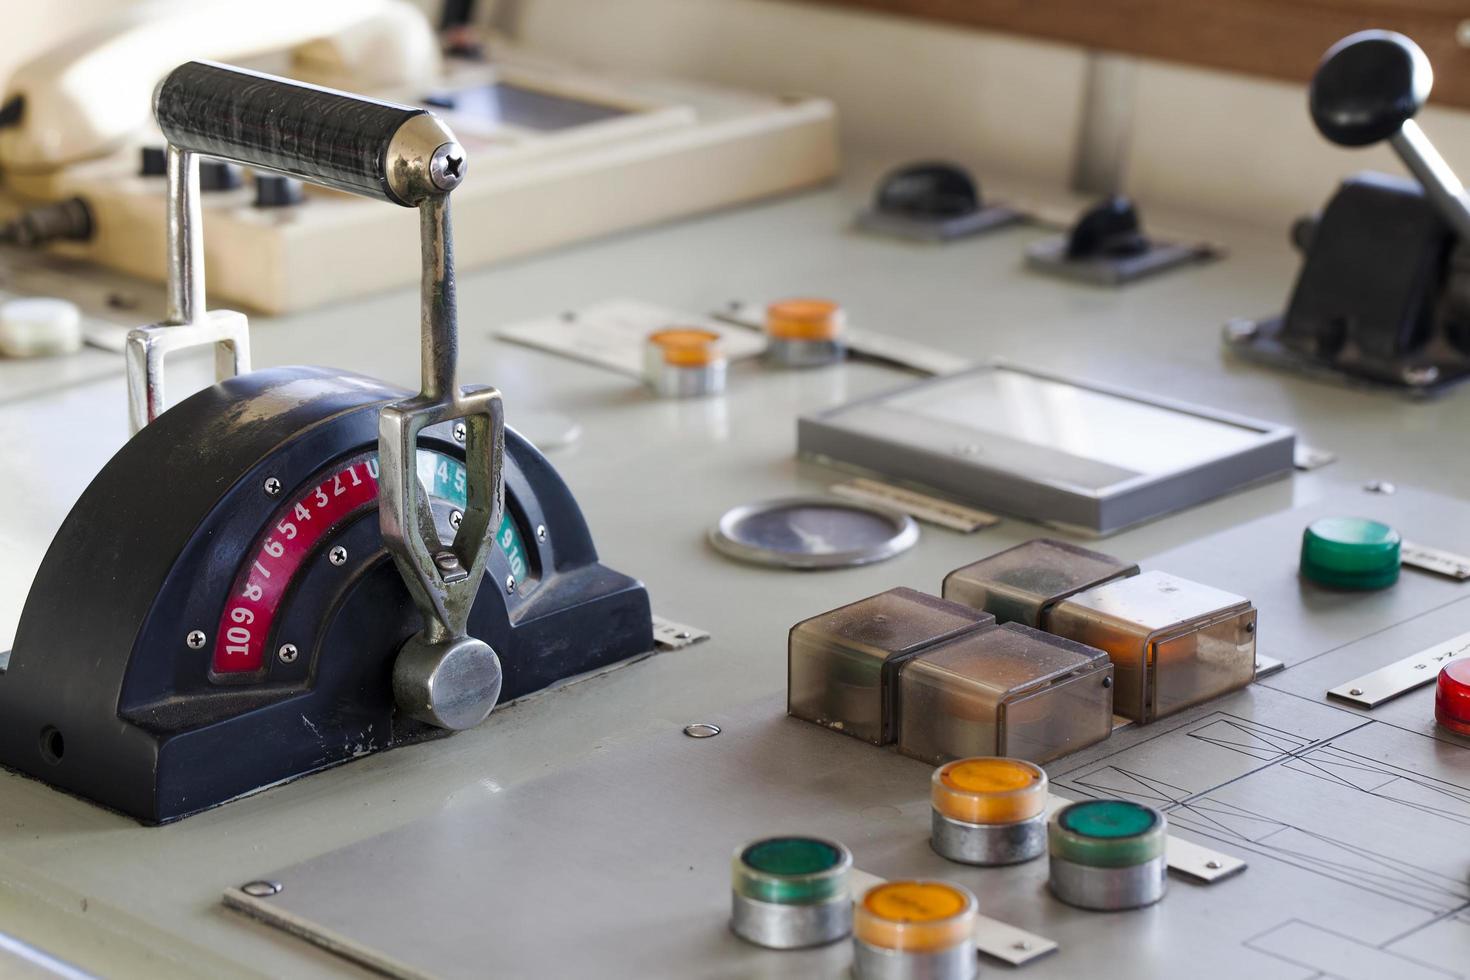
[812, 533]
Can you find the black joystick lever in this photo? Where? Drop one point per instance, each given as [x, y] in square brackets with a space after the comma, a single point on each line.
[1383, 295]
[1110, 229]
[1367, 89]
[1106, 246]
[933, 201]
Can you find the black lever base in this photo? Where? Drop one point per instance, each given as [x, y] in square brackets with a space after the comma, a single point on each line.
[179, 650]
[1382, 299]
[1107, 247]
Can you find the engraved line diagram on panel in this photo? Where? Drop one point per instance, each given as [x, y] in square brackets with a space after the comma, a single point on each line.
[1278, 835]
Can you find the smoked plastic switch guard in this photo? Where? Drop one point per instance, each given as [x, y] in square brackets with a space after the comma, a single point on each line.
[1007, 691]
[842, 666]
[1023, 583]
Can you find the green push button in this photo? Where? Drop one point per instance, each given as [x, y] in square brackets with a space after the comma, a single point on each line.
[791, 870]
[1108, 833]
[1350, 553]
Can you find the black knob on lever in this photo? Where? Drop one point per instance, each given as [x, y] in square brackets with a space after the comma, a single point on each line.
[1367, 89]
[1368, 85]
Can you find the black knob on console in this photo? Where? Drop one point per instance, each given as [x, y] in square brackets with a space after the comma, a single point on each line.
[1110, 229]
[152, 162]
[220, 175]
[928, 190]
[277, 191]
[1368, 85]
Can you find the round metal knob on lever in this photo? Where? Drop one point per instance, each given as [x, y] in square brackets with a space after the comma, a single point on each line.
[1368, 85]
[451, 685]
[1367, 89]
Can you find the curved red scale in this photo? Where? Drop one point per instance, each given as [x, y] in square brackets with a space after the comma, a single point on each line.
[1452, 696]
[296, 529]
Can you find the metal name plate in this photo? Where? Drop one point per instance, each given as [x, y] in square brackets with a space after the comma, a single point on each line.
[1198, 862]
[1266, 666]
[933, 510]
[1403, 676]
[992, 937]
[1435, 560]
[1307, 458]
[669, 635]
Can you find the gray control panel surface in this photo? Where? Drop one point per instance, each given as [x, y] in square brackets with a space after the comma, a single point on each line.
[1352, 821]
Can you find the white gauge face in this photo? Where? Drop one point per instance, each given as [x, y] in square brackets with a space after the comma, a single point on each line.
[1134, 437]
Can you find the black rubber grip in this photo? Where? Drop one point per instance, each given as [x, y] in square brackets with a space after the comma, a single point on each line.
[317, 134]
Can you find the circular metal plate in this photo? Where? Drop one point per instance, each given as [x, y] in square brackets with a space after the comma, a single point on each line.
[813, 532]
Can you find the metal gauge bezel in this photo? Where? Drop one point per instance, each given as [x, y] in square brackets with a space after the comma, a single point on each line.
[725, 536]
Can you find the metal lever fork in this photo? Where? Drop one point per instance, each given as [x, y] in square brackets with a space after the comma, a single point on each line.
[187, 323]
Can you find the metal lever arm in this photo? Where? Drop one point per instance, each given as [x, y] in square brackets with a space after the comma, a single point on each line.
[405, 156]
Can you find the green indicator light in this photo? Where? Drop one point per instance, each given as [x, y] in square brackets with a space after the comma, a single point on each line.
[1350, 553]
[1108, 833]
[791, 870]
[791, 856]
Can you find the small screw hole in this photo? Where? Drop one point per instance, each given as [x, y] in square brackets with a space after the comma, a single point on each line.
[53, 746]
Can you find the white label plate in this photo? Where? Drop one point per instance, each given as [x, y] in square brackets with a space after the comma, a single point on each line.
[611, 334]
[933, 510]
[669, 635]
[1435, 560]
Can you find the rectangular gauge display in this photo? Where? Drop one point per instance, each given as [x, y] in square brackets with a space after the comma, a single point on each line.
[1078, 455]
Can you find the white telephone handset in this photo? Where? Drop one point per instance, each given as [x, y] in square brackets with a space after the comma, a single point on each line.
[86, 96]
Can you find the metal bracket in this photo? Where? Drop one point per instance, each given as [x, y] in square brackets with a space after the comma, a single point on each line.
[443, 580]
[147, 347]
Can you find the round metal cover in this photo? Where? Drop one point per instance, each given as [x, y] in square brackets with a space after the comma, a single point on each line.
[813, 532]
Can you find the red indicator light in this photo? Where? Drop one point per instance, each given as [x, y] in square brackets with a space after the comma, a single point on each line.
[1452, 696]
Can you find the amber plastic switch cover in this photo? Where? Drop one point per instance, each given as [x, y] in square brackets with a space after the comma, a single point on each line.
[1174, 643]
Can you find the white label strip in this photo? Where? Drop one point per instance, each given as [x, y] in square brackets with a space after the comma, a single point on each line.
[1189, 858]
[945, 513]
[669, 635]
[1186, 857]
[1306, 458]
[1402, 676]
[1435, 560]
[611, 334]
[894, 350]
[992, 937]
